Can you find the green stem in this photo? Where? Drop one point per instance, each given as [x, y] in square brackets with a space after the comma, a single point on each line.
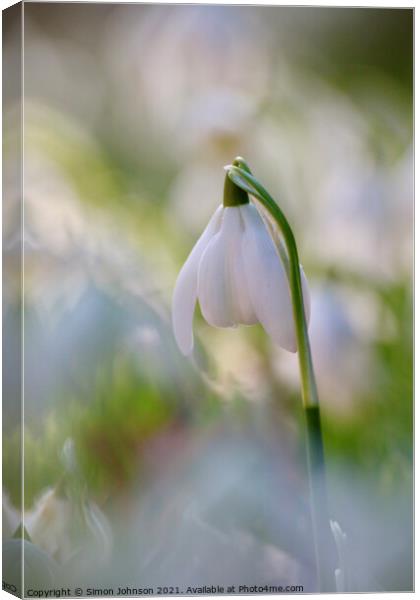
[240, 174]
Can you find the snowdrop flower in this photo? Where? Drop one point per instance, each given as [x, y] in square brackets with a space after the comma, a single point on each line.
[238, 273]
[245, 269]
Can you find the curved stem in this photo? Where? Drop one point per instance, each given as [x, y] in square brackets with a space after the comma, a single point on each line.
[309, 389]
[240, 174]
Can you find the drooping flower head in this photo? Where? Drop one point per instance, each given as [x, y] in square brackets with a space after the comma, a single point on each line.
[238, 271]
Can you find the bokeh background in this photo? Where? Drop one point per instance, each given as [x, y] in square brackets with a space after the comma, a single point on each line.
[146, 468]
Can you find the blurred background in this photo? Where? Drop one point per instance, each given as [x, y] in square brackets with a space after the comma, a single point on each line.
[146, 468]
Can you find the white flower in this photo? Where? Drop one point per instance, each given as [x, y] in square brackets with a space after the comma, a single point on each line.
[236, 273]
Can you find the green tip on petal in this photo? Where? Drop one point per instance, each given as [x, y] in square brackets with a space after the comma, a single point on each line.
[233, 195]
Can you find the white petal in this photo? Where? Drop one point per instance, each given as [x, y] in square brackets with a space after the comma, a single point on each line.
[185, 292]
[242, 306]
[213, 281]
[233, 229]
[212, 285]
[222, 288]
[267, 280]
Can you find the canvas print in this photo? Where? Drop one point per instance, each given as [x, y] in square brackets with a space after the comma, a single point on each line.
[207, 299]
